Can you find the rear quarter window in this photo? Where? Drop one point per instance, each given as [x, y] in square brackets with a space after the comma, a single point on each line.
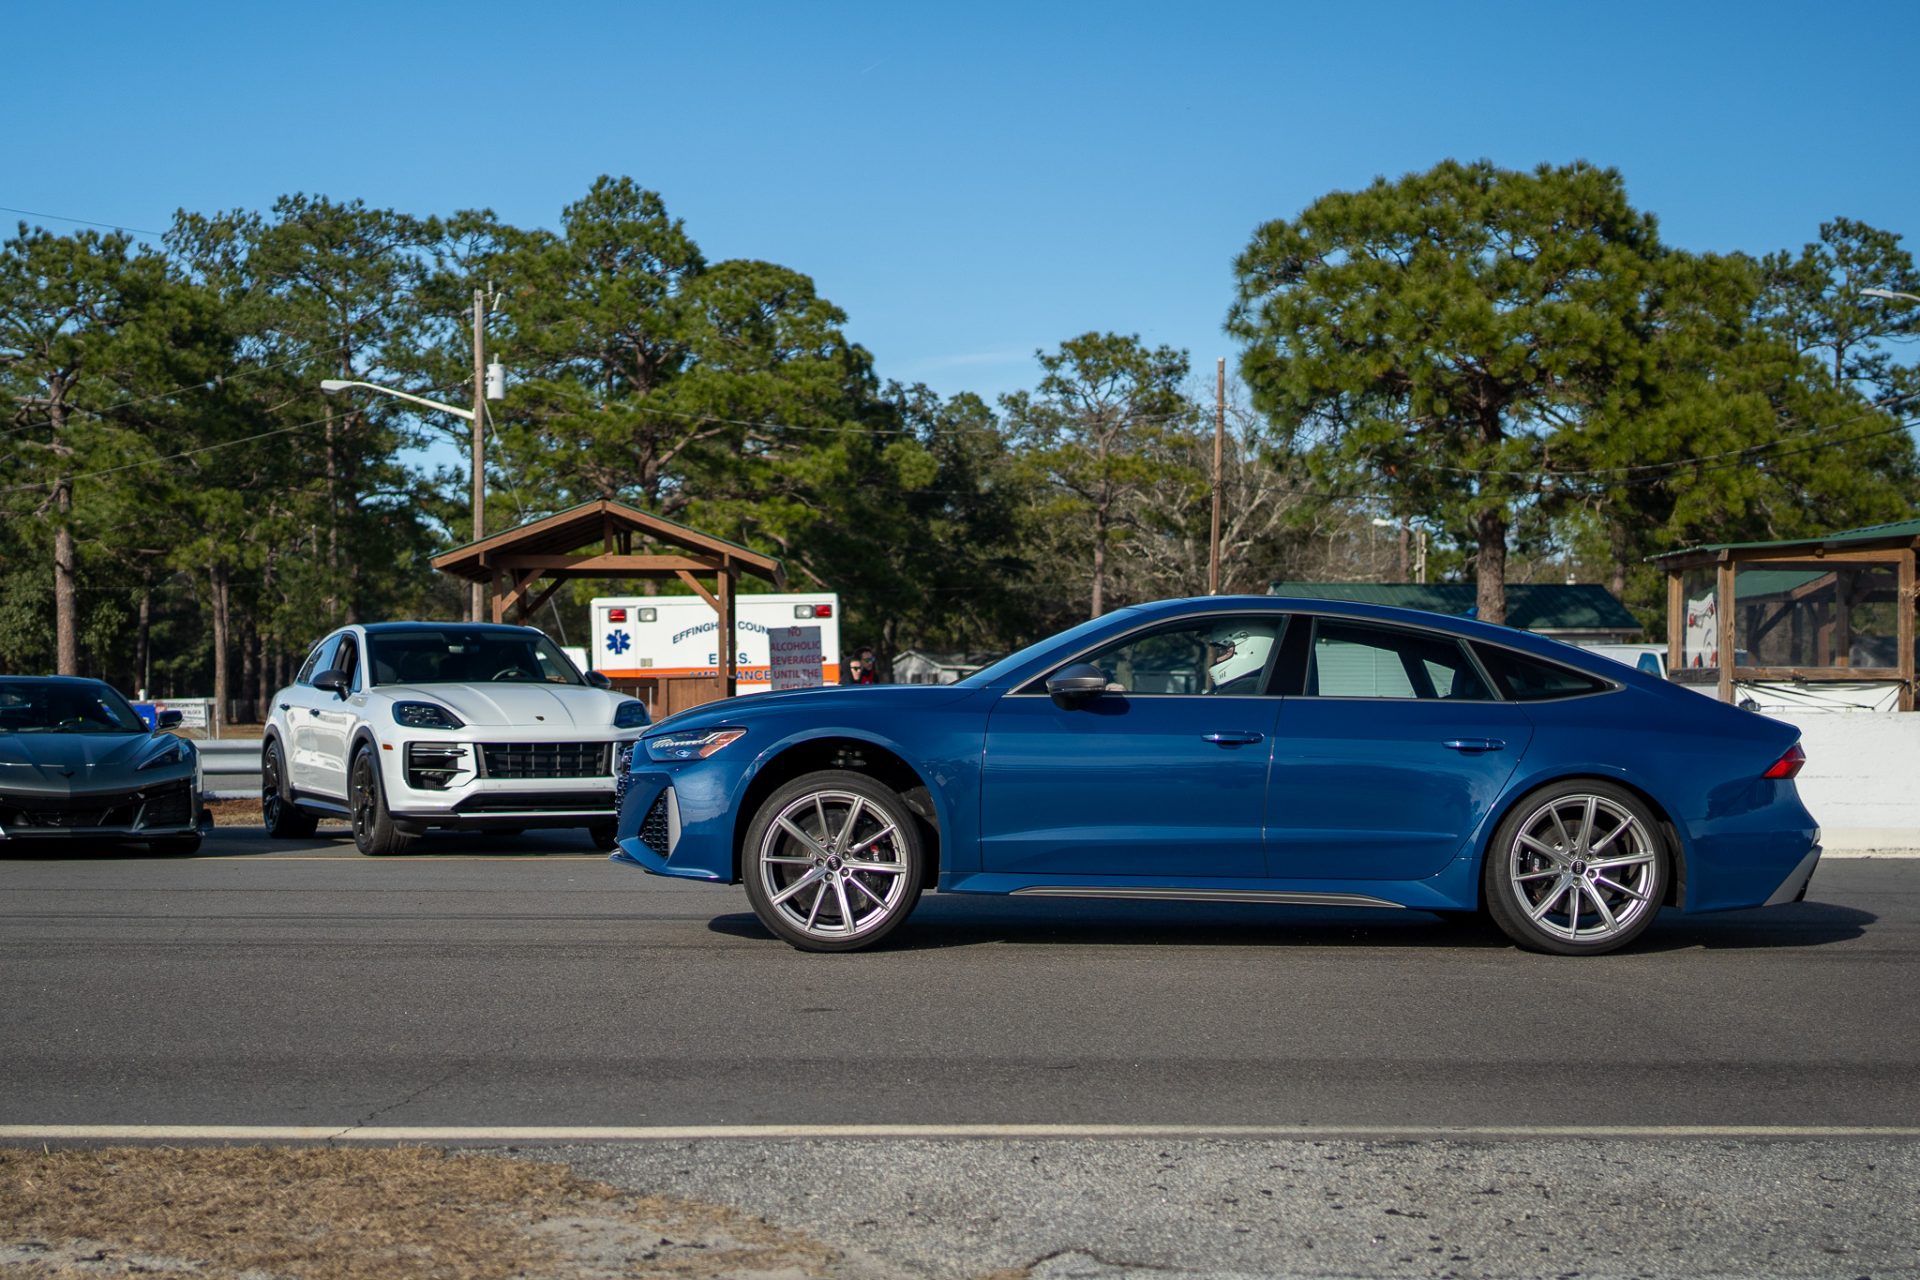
[1527, 679]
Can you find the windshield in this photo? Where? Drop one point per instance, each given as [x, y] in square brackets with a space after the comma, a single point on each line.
[988, 676]
[35, 706]
[455, 655]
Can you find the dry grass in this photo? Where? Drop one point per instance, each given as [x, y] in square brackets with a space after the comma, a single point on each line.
[256, 1213]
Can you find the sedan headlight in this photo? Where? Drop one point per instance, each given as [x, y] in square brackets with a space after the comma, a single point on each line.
[631, 714]
[694, 745]
[173, 753]
[425, 715]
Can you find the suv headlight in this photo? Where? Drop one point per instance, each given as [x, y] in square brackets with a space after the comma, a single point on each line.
[425, 715]
[695, 745]
[631, 714]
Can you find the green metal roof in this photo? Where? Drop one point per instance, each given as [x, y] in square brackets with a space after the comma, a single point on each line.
[1531, 606]
[1893, 532]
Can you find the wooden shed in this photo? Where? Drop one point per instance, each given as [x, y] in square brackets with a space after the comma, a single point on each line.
[1837, 609]
[522, 568]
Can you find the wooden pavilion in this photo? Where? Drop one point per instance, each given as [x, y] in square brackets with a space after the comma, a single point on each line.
[522, 568]
[1834, 609]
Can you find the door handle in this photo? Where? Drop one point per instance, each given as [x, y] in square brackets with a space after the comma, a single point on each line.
[1473, 744]
[1234, 737]
[286, 706]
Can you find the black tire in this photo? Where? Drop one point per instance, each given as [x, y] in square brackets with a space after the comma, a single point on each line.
[605, 835]
[860, 900]
[374, 833]
[284, 820]
[1578, 868]
[175, 846]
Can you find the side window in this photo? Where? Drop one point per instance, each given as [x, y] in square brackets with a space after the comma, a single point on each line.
[1355, 660]
[1224, 656]
[1526, 679]
[318, 660]
[347, 659]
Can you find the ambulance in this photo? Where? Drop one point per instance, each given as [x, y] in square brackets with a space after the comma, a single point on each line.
[638, 636]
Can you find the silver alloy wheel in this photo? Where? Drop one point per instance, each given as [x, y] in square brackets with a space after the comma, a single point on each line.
[1583, 868]
[833, 865]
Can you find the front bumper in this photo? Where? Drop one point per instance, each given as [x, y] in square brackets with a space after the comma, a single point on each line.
[158, 811]
[677, 821]
[478, 795]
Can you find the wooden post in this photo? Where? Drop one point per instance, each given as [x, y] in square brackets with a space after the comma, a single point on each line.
[1903, 627]
[728, 624]
[1724, 607]
[1676, 621]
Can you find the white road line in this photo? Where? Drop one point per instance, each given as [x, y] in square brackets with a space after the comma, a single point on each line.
[18, 1133]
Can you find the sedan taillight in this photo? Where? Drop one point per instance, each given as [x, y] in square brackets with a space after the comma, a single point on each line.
[1789, 764]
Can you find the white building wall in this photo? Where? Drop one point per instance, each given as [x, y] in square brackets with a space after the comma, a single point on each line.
[1862, 777]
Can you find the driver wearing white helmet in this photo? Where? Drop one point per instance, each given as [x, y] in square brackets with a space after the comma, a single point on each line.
[1236, 656]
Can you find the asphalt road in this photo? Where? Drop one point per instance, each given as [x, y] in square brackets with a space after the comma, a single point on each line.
[541, 985]
[527, 982]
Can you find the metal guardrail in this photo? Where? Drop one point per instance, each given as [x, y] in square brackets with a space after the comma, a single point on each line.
[230, 768]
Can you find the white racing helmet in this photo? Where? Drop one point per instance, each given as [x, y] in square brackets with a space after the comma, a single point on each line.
[1236, 651]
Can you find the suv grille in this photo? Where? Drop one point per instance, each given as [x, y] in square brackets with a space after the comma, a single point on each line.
[546, 759]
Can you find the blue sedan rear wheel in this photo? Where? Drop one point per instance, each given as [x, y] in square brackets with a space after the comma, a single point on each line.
[833, 861]
[1578, 868]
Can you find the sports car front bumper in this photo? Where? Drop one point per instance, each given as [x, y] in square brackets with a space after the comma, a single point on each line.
[156, 811]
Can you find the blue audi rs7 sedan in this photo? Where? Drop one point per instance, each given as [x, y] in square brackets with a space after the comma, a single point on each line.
[1238, 749]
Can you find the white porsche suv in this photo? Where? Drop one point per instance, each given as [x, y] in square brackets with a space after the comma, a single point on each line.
[405, 726]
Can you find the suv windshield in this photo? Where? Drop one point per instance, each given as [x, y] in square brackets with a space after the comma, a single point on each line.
[455, 655]
[33, 706]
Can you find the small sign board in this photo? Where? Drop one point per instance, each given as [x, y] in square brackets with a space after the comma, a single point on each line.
[795, 653]
[194, 712]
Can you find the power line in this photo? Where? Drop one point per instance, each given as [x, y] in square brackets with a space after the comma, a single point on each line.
[107, 226]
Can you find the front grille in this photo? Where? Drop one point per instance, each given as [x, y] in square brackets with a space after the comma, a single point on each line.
[546, 759]
[50, 814]
[170, 808]
[622, 773]
[654, 831]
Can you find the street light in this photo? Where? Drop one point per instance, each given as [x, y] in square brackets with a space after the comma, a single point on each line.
[489, 383]
[334, 386]
[1891, 295]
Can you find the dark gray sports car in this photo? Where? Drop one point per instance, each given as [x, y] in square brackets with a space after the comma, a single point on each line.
[77, 763]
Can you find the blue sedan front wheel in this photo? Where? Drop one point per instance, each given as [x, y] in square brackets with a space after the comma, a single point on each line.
[1578, 868]
[834, 861]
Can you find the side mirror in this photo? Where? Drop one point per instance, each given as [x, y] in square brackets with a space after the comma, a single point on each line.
[333, 681]
[167, 719]
[598, 680]
[1080, 681]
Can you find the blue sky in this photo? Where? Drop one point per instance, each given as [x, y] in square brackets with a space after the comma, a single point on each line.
[968, 181]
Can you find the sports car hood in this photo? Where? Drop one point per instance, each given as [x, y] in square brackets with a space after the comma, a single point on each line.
[65, 762]
[541, 706]
[826, 700]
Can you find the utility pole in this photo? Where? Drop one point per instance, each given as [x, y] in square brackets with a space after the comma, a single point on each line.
[479, 608]
[1219, 445]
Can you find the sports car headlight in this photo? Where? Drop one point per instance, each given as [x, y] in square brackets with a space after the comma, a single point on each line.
[630, 714]
[425, 715]
[697, 745]
[172, 753]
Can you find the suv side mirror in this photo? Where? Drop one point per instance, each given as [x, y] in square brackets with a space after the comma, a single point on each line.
[333, 681]
[1076, 683]
[598, 680]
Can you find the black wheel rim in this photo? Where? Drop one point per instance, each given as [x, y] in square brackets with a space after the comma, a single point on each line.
[270, 787]
[362, 799]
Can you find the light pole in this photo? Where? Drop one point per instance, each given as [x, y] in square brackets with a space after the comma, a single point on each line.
[489, 384]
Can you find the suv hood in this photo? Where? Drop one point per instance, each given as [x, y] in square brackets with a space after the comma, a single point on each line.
[546, 707]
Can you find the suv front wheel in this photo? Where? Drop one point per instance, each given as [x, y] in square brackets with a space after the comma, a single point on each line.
[374, 832]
